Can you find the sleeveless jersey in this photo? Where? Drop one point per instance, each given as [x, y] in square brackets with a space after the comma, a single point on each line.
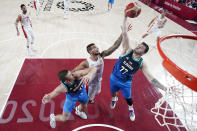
[74, 87]
[25, 19]
[126, 66]
[100, 66]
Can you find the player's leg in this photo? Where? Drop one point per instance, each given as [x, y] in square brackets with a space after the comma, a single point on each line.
[92, 92]
[67, 109]
[114, 88]
[83, 99]
[108, 5]
[110, 2]
[126, 91]
[37, 9]
[60, 117]
[28, 38]
[66, 8]
[32, 39]
[98, 88]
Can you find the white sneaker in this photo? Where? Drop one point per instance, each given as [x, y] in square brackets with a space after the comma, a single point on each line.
[113, 102]
[80, 113]
[52, 121]
[132, 114]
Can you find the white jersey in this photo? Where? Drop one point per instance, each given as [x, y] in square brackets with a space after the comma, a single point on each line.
[100, 66]
[159, 22]
[25, 19]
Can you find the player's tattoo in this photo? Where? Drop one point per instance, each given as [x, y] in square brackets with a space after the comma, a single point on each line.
[157, 84]
[113, 47]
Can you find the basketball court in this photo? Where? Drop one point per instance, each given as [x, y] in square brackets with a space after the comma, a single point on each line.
[61, 43]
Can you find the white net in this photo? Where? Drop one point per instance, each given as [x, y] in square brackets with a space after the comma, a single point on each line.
[177, 109]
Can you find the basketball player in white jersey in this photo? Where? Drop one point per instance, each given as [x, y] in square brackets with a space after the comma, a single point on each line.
[37, 8]
[24, 18]
[66, 9]
[156, 25]
[96, 60]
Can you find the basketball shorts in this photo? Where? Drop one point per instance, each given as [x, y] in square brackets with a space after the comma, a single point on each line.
[111, 1]
[28, 33]
[71, 100]
[123, 86]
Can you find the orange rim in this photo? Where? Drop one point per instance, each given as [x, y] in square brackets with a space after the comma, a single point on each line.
[181, 75]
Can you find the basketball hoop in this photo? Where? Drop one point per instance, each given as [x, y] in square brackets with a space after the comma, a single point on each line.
[178, 106]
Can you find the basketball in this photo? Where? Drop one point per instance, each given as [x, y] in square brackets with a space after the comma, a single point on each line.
[132, 10]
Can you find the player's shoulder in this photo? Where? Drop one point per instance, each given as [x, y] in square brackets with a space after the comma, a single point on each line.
[85, 62]
[19, 17]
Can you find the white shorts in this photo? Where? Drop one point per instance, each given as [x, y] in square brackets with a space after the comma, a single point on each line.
[27, 30]
[94, 89]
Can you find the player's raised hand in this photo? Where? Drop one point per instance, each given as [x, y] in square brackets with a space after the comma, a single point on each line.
[129, 27]
[46, 99]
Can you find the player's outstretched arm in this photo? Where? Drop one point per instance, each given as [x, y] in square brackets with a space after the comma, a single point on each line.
[151, 79]
[87, 74]
[47, 97]
[125, 40]
[152, 21]
[112, 48]
[16, 24]
[82, 65]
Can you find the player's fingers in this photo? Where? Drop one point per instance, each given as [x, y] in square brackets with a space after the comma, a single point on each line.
[130, 25]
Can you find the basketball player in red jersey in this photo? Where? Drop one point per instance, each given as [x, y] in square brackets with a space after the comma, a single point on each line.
[24, 18]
